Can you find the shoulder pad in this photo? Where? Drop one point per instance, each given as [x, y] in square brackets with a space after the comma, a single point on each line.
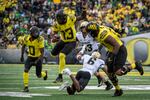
[72, 17]
[26, 37]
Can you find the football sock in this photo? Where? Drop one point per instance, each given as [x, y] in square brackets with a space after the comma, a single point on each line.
[43, 74]
[133, 65]
[25, 78]
[117, 87]
[114, 80]
[62, 62]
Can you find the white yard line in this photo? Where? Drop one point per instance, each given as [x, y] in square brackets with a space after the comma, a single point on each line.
[124, 87]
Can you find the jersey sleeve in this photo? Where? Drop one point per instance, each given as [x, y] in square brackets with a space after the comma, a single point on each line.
[73, 18]
[55, 27]
[41, 42]
[25, 39]
[101, 64]
[78, 36]
[104, 34]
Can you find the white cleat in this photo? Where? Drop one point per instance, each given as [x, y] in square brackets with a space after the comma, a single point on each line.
[64, 86]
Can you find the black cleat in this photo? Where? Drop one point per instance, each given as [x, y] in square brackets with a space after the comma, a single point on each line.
[25, 89]
[118, 92]
[58, 79]
[109, 86]
[139, 67]
[45, 78]
[100, 82]
[70, 91]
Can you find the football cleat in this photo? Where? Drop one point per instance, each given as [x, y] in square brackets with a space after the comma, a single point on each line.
[45, 78]
[63, 86]
[58, 79]
[70, 91]
[118, 92]
[139, 67]
[100, 83]
[25, 89]
[109, 86]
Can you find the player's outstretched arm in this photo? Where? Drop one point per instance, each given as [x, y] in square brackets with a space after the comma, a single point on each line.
[22, 52]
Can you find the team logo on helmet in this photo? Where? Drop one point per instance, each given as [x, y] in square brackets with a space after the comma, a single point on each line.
[92, 26]
[96, 55]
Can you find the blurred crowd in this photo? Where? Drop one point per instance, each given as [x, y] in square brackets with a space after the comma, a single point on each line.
[127, 17]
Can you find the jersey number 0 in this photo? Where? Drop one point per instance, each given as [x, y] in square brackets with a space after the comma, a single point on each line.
[32, 50]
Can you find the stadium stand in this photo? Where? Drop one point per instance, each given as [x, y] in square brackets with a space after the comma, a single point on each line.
[128, 17]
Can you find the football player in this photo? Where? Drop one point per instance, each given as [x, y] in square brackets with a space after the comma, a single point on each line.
[89, 46]
[117, 53]
[90, 66]
[65, 25]
[35, 44]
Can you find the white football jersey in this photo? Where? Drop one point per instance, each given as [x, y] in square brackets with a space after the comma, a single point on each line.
[91, 45]
[91, 65]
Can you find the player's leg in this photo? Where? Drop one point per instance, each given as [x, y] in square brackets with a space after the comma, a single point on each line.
[68, 47]
[101, 79]
[39, 72]
[56, 50]
[83, 79]
[112, 76]
[27, 67]
[121, 68]
[79, 82]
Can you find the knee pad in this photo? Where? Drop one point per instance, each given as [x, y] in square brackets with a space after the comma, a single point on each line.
[62, 55]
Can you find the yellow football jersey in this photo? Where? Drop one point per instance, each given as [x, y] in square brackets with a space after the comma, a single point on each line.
[34, 46]
[104, 33]
[67, 31]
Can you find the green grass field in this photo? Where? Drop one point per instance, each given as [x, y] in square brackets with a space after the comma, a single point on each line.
[135, 87]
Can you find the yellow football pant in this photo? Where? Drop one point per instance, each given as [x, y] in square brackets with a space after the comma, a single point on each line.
[62, 62]
[25, 78]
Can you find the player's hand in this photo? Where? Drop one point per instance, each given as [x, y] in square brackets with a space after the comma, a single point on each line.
[79, 55]
[22, 59]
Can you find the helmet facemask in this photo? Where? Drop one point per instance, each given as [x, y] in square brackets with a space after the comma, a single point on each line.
[61, 17]
[34, 32]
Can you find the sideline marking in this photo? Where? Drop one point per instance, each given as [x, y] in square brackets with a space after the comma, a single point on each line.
[21, 94]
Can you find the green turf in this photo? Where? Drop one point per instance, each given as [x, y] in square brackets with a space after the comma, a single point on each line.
[11, 81]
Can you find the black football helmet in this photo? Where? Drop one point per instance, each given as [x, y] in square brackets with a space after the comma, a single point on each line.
[93, 29]
[34, 32]
[61, 17]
